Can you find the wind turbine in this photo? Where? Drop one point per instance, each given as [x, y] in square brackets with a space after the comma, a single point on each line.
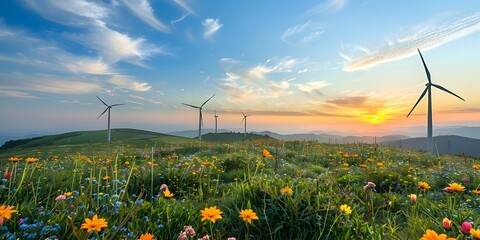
[245, 120]
[216, 116]
[108, 109]
[200, 118]
[429, 90]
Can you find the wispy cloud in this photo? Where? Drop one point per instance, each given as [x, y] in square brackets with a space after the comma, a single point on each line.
[92, 18]
[211, 26]
[312, 87]
[268, 80]
[76, 13]
[126, 82]
[461, 110]
[114, 46]
[15, 94]
[145, 12]
[327, 7]
[47, 84]
[88, 65]
[424, 39]
[184, 5]
[48, 55]
[303, 33]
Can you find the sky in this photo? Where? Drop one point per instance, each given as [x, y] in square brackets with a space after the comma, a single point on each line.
[294, 66]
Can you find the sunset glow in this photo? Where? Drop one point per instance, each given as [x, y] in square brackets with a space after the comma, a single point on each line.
[334, 65]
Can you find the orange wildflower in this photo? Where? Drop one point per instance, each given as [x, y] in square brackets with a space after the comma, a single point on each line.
[248, 215]
[424, 185]
[146, 236]
[94, 224]
[6, 212]
[32, 160]
[211, 214]
[432, 235]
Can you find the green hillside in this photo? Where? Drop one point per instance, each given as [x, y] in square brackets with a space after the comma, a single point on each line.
[232, 137]
[89, 142]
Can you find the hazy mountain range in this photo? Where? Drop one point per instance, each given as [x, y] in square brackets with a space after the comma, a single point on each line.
[451, 140]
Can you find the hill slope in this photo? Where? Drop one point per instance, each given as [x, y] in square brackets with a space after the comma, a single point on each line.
[445, 144]
[231, 137]
[81, 137]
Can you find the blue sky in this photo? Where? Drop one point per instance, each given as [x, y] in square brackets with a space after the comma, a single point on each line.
[296, 66]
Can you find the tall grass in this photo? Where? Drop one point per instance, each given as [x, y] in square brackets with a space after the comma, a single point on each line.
[123, 186]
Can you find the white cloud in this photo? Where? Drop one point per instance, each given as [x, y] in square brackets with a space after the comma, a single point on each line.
[90, 66]
[328, 6]
[93, 17]
[407, 46]
[126, 82]
[114, 46]
[303, 33]
[211, 26]
[70, 12]
[145, 12]
[229, 60]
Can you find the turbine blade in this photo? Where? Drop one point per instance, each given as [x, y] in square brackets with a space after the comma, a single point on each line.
[426, 69]
[190, 105]
[208, 100]
[446, 90]
[423, 94]
[102, 101]
[118, 104]
[106, 109]
[242, 113]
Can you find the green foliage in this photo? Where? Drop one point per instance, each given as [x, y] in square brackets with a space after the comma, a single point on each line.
[121, 183]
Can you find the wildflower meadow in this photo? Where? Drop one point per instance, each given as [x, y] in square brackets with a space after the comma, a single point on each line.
[260, 189]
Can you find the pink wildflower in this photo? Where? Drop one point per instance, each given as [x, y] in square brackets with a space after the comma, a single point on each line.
[466, 227]
[369, 185]
[163, 187]
[60, 197]
[189, 231]
[8, 175]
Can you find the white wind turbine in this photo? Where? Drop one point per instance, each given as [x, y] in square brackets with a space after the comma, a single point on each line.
[216, 116]
[200, 118]
[429, 114]
[108, 109]
[245, 120]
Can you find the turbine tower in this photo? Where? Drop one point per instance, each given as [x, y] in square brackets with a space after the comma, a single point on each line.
[200, 118]
[245, 120]
[108, 109]
[216, 118]
[429, 114]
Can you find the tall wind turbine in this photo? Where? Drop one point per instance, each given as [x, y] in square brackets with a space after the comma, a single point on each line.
[200, 118]
[245, 120]
[108, 109]
[429, 90]
[216, 116]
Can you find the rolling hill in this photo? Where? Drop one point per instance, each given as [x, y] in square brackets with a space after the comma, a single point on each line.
[82, 137]
[445, 145]
[232, 137]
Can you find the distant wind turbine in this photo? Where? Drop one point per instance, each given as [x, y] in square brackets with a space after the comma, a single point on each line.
[245, 120]
[216, 116]
[428, 89]
[200, 118]
[108, 109]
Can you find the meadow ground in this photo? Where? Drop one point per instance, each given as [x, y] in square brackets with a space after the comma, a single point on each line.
[172, 188]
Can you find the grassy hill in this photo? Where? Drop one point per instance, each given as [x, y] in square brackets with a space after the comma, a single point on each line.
[444, 144]
[232, 137]
[89, 142]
